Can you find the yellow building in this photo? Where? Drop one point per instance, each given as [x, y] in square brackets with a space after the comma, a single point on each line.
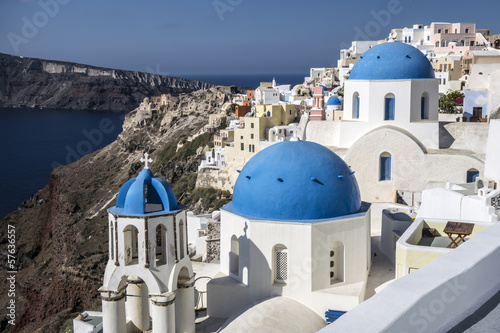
[451, 64]
[253, 129]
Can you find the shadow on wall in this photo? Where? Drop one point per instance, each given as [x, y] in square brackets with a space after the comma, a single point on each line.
[446, 140]
[260, 280]
[495, 114]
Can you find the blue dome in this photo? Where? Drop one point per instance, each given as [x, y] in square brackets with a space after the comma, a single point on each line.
[144, 195]
[296, 180]
[392, 61]
[334, 100]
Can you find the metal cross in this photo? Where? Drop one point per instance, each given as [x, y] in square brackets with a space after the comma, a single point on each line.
[146, 160]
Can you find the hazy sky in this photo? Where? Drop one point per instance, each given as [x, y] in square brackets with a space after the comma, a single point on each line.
[216, 36]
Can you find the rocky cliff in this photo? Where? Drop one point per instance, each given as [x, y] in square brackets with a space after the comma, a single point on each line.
[61, 233]
[55, 84]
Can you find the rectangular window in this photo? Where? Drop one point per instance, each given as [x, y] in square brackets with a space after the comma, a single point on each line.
[251, 125]
[389, 108]
[409, 39]
[249, 148]
[253, 148]
[385, 168]
[242, 146]
[251, 136]
[428, 37]
[281, 266]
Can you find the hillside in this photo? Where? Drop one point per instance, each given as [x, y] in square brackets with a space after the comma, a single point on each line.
[30, 82]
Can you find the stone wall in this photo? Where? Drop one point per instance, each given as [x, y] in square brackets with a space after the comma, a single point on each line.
[213, 241]
[215, 178]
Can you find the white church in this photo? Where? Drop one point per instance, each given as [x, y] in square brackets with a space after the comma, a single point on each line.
[149, 272]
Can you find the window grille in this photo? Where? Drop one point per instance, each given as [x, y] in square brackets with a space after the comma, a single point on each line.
[281, 265]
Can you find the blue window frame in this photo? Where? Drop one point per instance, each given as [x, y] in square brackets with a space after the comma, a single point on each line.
[390, 103]
[472, 175]
[385, 167]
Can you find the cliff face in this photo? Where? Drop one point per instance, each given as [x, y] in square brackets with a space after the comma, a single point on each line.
[61, 233]
[54, 84]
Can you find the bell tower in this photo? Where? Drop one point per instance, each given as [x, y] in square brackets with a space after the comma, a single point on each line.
[149, 273]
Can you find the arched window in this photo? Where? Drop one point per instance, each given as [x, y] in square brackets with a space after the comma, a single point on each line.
[385, 166]
[355, 105]
[390, 105]
[472, 174]
[182, 243]
[443, 43]
[437, 43]
[234, 256]
[424, 106]
[161, 245]
[337, 263]
[280, 266]
[269, 113]
[131, 245]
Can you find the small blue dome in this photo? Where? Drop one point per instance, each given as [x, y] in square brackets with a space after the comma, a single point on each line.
[392, 61]
[334, 100]
[144, 195]
[296, 180]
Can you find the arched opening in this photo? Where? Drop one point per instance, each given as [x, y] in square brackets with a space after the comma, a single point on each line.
[390, 105]
[443, 43]
[161, 245]
[111, 242]
[280, 263]
[355, 105]
[182, 243]
[472, 174]
[385, 166]
[337, 263]
[131, 245]
[424, 106]
[234, 256]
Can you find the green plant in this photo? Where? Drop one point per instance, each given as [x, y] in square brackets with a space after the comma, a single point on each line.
[448, 103]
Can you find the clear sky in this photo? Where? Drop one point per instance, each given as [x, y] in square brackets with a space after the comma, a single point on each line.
[216, 36]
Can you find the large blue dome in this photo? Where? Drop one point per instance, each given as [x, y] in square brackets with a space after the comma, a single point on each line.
[144, 195]
[392, 61]
[296, 180]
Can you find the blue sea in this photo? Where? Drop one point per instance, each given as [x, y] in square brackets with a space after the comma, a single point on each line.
[34, 141]
[248, 80]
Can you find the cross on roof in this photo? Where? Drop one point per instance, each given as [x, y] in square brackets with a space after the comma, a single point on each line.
[146, 160]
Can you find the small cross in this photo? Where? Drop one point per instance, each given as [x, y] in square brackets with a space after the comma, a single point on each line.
[146, 160]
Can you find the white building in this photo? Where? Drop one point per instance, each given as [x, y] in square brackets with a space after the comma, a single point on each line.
[149, 272]
[296, 228]
[455, 283]
[390, 132]
[214, 159]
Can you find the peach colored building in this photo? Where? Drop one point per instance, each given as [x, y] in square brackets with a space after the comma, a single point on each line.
[318, 110]
[479, 57]
[456, 37]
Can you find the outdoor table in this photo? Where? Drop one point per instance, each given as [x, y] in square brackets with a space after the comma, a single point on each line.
[457, 231]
